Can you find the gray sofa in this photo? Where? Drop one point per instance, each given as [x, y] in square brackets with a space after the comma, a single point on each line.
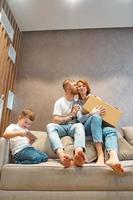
[50, 181]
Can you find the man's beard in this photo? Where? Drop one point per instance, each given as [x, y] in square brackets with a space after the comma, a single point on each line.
[74, 92]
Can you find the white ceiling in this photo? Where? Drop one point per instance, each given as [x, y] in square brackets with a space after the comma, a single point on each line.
[33, 15]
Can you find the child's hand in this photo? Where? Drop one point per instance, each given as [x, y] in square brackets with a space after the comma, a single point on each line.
[31, 137]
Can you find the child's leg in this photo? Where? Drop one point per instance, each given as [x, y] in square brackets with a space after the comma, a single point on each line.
[43, 155]
[29, 155]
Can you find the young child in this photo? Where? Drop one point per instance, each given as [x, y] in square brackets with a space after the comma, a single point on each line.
[21, 140]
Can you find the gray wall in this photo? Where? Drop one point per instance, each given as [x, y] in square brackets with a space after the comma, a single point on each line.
[101, 56]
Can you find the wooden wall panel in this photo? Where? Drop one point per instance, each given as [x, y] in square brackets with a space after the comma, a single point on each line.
[7, 67]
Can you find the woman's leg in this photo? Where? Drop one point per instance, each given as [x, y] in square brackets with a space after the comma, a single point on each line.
[111, 145]
[93, 127]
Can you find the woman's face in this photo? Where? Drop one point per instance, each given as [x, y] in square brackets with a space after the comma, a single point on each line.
[82, 89]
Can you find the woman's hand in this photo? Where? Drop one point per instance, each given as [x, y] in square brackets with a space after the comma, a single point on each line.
[100, 110]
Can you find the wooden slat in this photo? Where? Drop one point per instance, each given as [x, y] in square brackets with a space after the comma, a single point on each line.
[7, 67]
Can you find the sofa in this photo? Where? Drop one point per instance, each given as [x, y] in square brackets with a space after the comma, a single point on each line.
[51, 181]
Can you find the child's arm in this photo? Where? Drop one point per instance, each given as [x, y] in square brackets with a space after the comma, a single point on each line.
[11, 134]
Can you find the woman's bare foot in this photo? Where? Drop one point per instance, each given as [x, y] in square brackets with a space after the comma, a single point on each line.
[114, 162]
[116, 166]
[79, 158]
[100, 160]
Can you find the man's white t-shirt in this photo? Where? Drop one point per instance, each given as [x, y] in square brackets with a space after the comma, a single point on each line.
[63, 107]
[17, 143]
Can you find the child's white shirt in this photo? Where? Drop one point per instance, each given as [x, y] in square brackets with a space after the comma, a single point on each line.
[17, 143]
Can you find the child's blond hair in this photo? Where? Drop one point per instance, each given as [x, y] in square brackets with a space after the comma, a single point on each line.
[28, 113]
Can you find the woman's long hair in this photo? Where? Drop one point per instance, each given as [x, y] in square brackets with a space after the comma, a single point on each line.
[87, 86]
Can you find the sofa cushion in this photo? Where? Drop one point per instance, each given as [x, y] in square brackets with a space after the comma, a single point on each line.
[52, 176]
[42, 143]
[125, 150]
[128, 134]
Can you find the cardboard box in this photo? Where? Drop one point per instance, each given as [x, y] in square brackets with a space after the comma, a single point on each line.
[112, 114]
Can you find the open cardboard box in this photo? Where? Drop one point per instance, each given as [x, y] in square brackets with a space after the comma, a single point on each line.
[112, 114]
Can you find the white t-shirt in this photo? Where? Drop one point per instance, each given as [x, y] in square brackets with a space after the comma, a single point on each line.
[63, 107]
[17, 143]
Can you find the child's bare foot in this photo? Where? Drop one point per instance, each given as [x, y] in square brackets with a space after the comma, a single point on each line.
[117, 167]
[79, 159]
[100, 160]
[65, 160]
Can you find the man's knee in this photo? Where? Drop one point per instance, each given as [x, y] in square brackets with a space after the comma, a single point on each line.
[51, 126]
[79, 126]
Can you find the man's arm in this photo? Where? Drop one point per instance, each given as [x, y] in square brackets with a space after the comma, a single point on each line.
[62, 119]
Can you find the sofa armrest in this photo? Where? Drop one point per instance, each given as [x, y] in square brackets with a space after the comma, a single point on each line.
[4, 151]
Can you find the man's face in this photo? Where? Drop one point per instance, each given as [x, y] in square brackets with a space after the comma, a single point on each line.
[73, 88]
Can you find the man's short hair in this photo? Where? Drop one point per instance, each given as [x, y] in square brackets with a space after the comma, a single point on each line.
[66, 83]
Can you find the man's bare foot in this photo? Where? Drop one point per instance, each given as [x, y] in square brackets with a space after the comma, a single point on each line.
[117, 167]
[100, 160]
[79, 159]
[65, 160]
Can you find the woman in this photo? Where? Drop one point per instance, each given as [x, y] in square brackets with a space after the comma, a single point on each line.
[101, 134]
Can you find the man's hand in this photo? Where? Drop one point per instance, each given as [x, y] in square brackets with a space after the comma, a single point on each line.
[74, 110]
[100, 110]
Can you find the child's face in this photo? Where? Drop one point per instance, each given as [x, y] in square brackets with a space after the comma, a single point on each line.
[24, 122]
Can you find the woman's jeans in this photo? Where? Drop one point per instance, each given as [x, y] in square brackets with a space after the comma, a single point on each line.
[30, 155]
[56, 131]
[106, 135]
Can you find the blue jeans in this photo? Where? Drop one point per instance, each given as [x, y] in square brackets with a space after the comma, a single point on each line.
[56, 131]
[30, 155]
[106, 135]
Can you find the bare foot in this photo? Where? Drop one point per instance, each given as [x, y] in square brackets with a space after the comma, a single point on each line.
[117, 167]
[65, 159]
[79, 159]
[100, 160]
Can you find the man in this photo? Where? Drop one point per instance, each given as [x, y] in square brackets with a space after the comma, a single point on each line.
[64, 123]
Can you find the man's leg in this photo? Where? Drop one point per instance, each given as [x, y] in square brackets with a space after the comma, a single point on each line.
[55, 131]
[77, 132]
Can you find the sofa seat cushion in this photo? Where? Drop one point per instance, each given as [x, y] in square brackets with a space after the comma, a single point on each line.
[51, 176]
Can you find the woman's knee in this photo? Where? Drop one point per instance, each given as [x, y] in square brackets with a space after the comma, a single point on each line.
[96, 118]
[109, 131]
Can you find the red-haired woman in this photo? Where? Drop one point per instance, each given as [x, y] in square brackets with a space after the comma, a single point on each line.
[101, 134]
